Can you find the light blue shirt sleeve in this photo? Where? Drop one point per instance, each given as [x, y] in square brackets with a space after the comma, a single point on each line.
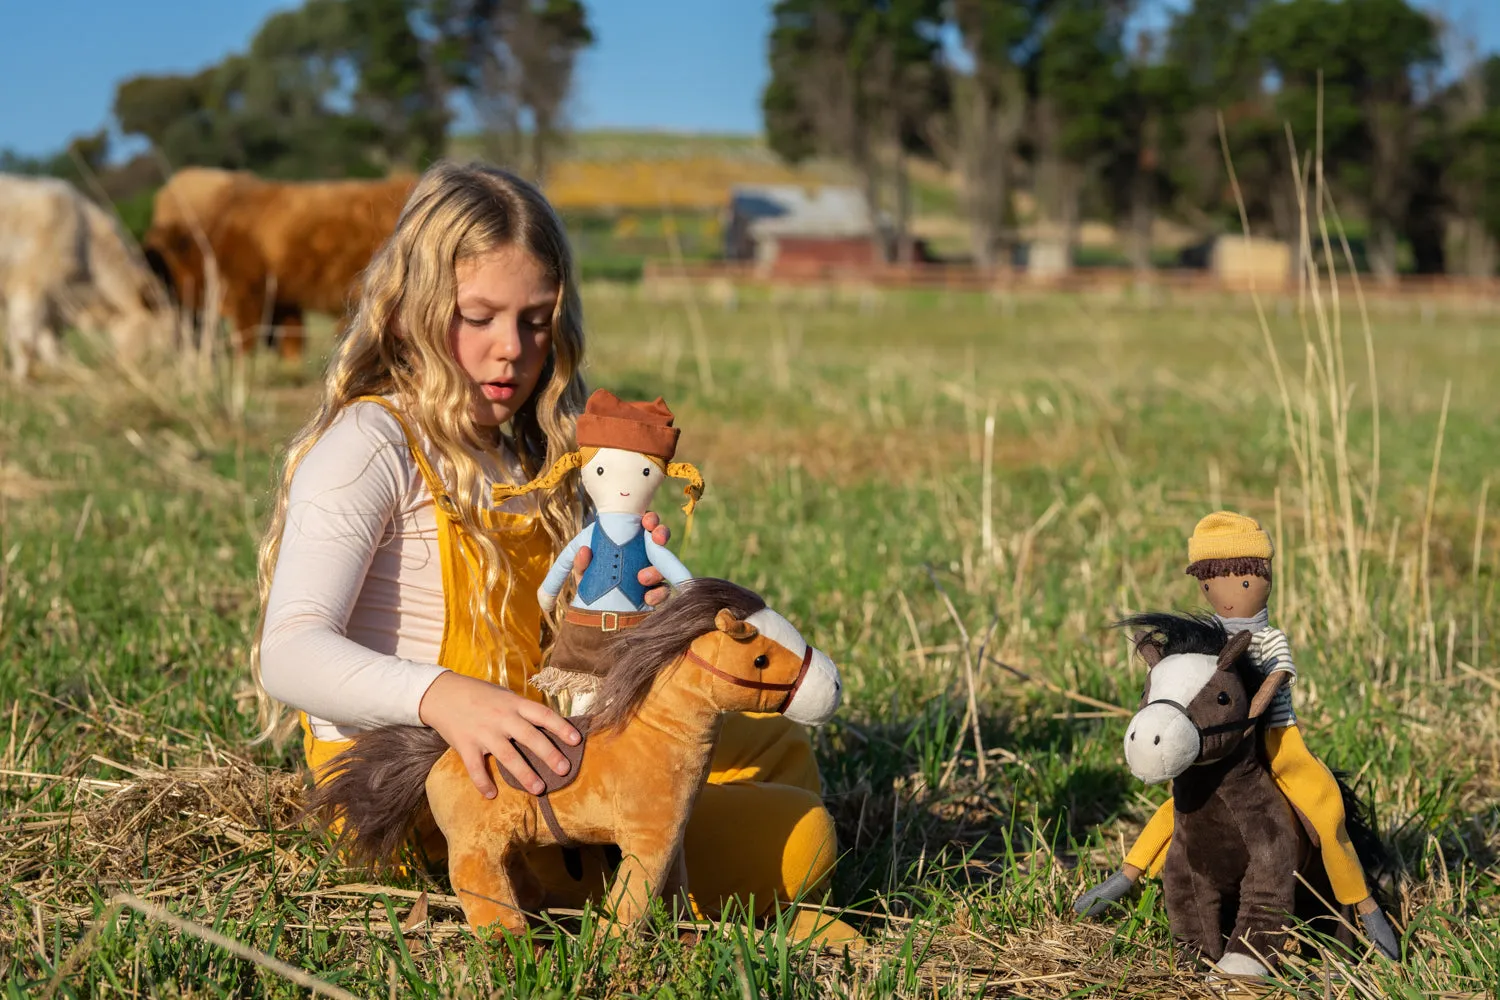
[665, 560]
[563, 565]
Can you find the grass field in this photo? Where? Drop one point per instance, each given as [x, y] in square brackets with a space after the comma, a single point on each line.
[953, 496]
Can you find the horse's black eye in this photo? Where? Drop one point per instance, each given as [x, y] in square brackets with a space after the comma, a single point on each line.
[1205, 586]
[646, 471]
[599, 469]
[762, 661]
[1223, 697]
[1245, 584]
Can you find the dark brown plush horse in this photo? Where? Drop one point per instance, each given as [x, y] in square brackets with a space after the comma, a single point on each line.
[1237, 846]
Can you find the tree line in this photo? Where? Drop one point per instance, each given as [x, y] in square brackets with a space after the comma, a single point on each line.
[349, 88]
[1096, 118]
[1064, 100]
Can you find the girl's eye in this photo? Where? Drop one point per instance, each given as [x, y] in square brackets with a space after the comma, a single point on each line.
[1245, 584]
[762, 660]
[599, 470]
[1223, 697]
[478, 322]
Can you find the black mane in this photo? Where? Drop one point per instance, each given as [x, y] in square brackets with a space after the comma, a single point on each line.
[1174, 633]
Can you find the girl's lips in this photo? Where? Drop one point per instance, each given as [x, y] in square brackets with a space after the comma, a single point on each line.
[497, 392]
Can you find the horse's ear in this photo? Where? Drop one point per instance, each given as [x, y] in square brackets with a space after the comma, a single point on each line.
[1150, 651]
[735, 628]
[1234, 649]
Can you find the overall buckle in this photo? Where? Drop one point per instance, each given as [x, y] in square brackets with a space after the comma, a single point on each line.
[609, 621]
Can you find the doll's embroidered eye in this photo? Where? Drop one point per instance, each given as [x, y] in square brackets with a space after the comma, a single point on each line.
[762, 661]
[1223, 697]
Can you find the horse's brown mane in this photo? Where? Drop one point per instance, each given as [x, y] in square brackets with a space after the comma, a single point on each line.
[664, 636]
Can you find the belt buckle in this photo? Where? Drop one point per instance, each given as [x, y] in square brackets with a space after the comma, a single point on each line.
[609, 621]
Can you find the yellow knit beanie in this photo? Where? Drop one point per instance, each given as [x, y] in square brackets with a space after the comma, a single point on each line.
[1227, 535]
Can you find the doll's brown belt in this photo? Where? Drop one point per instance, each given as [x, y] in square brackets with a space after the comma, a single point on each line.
[605, 621]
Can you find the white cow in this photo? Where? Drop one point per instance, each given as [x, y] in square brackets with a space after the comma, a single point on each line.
[64, 262]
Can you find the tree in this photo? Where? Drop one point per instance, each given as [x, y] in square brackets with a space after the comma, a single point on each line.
[1365, 54]
[980, 134]
[332, 88]
[1078, 84]
[855, 79]
[514, 60]
[398, 90]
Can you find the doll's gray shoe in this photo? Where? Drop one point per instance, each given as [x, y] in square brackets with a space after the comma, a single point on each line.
[1097, 899]
[1380, 932]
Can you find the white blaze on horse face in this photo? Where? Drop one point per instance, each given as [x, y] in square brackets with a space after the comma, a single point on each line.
[821, 691]
[1161, 741]
[621, 482]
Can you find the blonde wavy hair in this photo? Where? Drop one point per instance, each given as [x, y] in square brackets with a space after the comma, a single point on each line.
[397, 343]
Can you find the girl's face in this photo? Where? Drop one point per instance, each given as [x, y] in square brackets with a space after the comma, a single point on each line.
[621, 482]
[502, 329]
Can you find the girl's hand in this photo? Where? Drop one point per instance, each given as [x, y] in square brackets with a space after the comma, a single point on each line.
[479, 718]
[650, 577]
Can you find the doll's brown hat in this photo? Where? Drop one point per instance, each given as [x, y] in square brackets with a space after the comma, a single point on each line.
[1227, 535]
[608, 421]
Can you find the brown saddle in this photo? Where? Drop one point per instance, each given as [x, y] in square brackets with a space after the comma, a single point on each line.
[550, 778]
[573, 755]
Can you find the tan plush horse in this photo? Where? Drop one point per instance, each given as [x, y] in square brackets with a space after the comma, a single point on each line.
[713, 648]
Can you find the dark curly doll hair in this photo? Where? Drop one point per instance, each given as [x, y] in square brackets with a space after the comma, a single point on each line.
[1208, 569]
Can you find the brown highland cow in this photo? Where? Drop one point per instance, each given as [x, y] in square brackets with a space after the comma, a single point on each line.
[282, 248]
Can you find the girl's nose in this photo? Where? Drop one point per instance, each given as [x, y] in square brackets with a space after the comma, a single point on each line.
[508, 340]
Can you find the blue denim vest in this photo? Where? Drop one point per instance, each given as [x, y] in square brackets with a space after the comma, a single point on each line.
[613, 565]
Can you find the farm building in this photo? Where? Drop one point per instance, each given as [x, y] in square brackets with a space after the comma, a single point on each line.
[788, 228]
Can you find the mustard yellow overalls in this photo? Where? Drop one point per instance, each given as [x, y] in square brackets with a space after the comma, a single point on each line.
[759, 828]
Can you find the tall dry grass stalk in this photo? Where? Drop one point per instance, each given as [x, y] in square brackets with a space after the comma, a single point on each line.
[1335, 503]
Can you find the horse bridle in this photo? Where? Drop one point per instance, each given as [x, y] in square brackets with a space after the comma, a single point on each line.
[1205, 732]
[790, 689]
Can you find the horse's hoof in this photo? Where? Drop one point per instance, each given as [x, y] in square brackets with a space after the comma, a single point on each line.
[1237, 964]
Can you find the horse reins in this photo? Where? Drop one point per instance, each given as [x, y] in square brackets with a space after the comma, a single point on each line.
[790, 689]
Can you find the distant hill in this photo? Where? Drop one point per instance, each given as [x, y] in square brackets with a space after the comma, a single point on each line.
[610, 172]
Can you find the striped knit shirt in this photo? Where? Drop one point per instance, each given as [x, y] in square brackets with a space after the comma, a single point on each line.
[1269, 651]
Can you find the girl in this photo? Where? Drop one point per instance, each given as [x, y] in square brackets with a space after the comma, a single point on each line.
[395, 592]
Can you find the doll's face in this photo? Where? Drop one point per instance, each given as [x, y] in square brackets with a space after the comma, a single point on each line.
[1236, 596]
[621, 482]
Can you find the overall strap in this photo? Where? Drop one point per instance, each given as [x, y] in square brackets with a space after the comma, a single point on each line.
[435, 486]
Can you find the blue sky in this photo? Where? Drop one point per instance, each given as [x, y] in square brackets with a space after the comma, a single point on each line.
[689, 65]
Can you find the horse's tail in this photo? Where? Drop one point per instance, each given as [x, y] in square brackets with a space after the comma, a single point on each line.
[1359, 821]
[376, 788]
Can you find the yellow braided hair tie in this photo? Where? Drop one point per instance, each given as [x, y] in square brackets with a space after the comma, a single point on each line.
[693, 491]
[554, 475]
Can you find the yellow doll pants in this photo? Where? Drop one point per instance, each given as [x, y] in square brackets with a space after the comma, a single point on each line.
[1309, 785]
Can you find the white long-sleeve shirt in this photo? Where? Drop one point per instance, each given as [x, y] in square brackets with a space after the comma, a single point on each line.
[354, 619]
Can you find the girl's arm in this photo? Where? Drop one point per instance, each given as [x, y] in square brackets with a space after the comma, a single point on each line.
[664, 559]
[342, 497]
